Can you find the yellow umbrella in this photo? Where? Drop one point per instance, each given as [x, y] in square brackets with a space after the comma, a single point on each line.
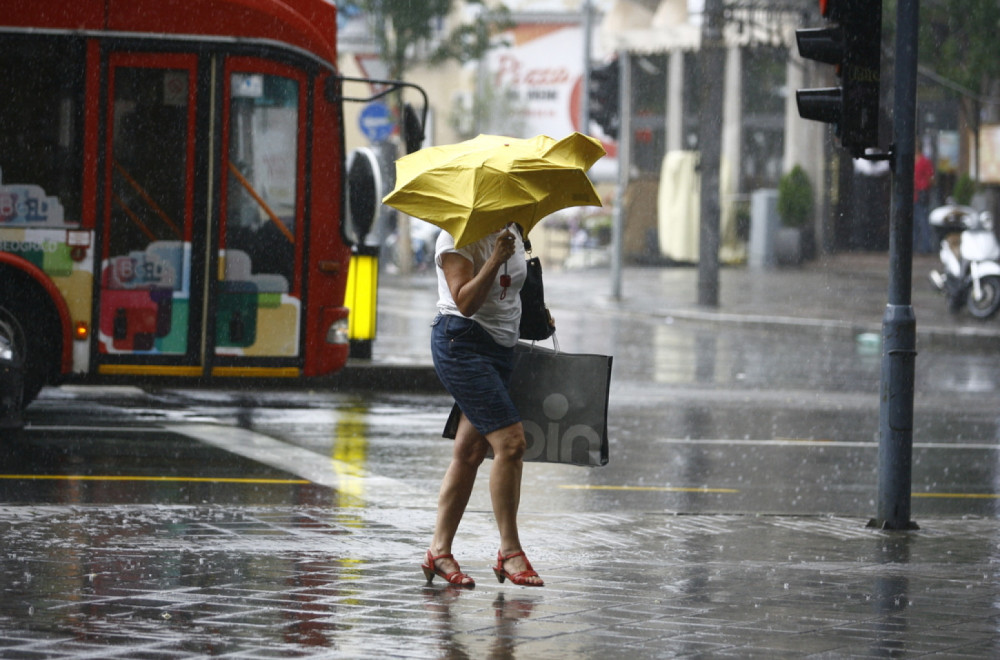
[474, 188]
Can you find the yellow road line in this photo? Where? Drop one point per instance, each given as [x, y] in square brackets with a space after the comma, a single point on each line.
[86, 477]
[662, 489]
[960, 496]
[730, 491]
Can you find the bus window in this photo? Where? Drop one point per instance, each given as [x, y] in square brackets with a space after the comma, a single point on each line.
[258, 306]
[149, 158]
[41, 129]
[146, 271]
[263, 181]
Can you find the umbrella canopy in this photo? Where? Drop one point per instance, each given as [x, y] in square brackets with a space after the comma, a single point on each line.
[474, 188]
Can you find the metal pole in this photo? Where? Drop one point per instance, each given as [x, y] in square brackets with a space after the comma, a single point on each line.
[624, 165]
[895, 451]
[713, 68]
[588, 28]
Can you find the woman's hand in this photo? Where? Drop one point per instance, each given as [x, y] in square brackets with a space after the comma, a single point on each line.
[503, 249]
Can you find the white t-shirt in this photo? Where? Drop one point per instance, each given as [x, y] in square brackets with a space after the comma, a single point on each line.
[500, 318]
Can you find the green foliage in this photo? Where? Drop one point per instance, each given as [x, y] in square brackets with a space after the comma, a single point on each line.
[402, 25]
[470, 41]
[795, 198]
[965, 188]
[403, 28]
[958, 39]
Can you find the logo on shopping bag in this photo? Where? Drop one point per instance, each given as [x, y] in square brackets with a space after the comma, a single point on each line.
[556, 442]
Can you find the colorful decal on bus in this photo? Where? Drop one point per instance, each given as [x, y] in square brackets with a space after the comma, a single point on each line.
[24, 204]
[145, 304]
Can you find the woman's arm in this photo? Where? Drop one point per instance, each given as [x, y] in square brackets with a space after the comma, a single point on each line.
[469, 288]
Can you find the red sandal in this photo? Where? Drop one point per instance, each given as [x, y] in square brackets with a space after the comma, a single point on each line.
[455, 577]
[519, 578]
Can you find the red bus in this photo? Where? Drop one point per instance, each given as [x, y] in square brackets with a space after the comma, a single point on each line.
[172, 186]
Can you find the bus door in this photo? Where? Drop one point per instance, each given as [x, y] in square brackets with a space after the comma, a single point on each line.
[177, 190]
[147, 304]
[258, 289]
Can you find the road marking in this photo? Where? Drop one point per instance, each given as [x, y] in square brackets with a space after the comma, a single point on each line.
[42, 428]
[733, 491]
[663, 489]
[96, 477]
[960, 496]
[810, 442]
[339, 475]
[344, 477]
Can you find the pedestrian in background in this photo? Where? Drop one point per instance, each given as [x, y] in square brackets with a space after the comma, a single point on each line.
[923, 177]
[472, 343]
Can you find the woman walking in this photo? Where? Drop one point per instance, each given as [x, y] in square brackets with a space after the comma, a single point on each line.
[472, 343]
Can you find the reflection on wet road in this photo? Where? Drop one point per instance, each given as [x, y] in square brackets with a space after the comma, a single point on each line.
[697, 450]
[277, 581]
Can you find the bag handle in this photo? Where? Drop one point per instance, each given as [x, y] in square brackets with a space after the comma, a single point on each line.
[555, 342]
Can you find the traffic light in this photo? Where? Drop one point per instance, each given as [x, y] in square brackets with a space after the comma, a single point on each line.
[603, 97]
[853, 43]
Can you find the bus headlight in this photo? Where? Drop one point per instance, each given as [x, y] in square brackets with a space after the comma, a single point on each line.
[337, 332]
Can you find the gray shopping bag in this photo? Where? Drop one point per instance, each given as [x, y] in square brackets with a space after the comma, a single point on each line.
[563, 401]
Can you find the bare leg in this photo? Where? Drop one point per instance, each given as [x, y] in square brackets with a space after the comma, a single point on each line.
[505, 490]
[456, 488]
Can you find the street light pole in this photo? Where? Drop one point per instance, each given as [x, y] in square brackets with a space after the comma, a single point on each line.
[895, 451]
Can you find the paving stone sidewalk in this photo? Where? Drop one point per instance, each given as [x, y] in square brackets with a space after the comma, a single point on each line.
[186, 582]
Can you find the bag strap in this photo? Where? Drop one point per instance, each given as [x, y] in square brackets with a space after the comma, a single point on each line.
[527, 243]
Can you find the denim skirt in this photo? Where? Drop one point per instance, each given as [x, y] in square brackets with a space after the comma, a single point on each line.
[475, 370]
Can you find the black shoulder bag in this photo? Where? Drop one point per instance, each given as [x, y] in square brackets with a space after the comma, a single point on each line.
[536, 322]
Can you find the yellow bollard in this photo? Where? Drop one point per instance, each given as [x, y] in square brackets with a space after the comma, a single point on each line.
[361, 298]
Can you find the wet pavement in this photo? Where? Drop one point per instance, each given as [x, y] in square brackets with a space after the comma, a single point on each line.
[841, 295]
[264, 582]
[749, 541]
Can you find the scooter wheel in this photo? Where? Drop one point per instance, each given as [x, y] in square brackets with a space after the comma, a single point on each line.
[955, 292]
[989, 299]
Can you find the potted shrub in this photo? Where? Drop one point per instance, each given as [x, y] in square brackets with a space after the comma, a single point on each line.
[795, 208]
[965, 190]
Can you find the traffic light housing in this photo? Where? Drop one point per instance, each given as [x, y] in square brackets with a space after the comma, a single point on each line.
[604, 98]
[853, 43]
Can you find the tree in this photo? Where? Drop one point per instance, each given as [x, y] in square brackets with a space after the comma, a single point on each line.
[958, 40]
[405, 30]
[959, 50]
[402, 26]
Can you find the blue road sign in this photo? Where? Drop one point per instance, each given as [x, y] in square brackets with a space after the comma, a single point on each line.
[376, 122]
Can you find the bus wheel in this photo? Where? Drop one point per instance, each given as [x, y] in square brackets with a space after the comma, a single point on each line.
[29, 305]
[12, 348]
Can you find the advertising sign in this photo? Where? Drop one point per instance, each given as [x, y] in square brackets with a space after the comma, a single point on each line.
[989, 153]
[540, 75]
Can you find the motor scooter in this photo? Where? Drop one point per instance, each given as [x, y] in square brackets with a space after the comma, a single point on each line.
[970, 273]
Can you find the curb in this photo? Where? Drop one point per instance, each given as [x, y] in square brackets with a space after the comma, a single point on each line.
[384, 377]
